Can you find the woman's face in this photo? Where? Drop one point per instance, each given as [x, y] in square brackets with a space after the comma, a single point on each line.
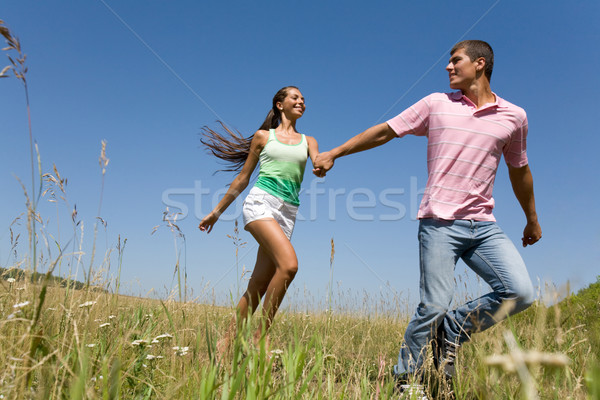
[293, 105]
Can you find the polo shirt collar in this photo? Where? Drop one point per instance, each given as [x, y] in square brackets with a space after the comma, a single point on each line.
[458, 96]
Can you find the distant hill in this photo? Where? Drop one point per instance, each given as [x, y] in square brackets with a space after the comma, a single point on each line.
[21, 275]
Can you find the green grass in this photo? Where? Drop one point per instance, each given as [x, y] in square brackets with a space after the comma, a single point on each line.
[582, 310]
[83, 346]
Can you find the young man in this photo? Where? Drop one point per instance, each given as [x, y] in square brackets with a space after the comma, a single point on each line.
[468, 131]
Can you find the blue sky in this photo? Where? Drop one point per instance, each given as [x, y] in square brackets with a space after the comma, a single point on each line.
[146, 75]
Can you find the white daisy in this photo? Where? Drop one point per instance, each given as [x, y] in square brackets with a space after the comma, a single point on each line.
[21, 305]
[181, 351]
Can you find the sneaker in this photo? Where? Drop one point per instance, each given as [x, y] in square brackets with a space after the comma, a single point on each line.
[444, 352]
[412, 391]
[409, 387]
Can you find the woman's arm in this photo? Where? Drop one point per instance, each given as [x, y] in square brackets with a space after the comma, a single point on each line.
[239, 183]
[313, 148]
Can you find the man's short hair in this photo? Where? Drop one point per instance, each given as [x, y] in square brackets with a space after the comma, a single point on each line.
[475, 49]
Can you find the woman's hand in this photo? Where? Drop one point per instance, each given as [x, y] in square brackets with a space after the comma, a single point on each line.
[323, 163]
[207, 222]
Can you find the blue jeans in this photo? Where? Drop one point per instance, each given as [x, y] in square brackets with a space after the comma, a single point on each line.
[490, 254]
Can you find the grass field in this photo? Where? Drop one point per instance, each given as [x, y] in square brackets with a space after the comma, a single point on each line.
[60, 343]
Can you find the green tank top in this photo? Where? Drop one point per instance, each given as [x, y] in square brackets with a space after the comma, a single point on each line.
[282, 168]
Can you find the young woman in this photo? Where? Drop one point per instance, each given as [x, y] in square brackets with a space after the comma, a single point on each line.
[269, 211]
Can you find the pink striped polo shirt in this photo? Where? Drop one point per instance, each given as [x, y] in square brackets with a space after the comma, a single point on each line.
[463, 151]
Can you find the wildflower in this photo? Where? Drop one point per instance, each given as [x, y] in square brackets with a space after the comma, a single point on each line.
[21, 305]
[277, 352]
[11, 280]
[87, 304]
[151, 357]
[139, 342]
[104, 325]
[181, 351]
[13, 315]
[163, 336]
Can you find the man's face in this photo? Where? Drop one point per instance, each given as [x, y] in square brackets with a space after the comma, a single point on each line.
[461, 70]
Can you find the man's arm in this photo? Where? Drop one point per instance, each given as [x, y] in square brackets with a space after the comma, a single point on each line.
[372, 137]
[522, 183]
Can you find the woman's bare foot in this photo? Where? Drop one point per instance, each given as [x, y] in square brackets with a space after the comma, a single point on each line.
[258, 336]
[223, 347]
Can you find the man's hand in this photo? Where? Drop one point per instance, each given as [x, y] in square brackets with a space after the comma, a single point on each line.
[532, 233]
[323, 163]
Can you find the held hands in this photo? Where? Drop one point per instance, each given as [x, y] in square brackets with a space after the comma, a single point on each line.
[532, 233]
[207, 222]
[323, 163]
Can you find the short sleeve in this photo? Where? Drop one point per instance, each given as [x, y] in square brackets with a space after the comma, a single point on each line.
[414, 120]
[515, 151]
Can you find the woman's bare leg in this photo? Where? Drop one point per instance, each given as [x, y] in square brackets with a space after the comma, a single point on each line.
[273, 241]
[263, 272]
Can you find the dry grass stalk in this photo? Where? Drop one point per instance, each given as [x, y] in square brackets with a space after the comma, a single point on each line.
[531, 358]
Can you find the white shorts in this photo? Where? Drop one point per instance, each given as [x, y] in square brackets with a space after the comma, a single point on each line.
[260, 205]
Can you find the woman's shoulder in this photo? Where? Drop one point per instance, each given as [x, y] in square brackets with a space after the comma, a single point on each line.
[310, 139]
[261, 136]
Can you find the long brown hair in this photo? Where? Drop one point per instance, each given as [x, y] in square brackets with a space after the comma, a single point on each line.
[233, 147]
